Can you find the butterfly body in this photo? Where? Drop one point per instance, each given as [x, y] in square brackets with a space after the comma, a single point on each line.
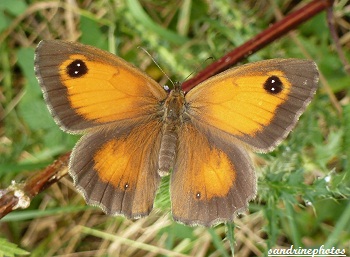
[134, 132]
[173, 118]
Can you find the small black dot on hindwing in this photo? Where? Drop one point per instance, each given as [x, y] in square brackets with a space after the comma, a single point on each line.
[126, 186]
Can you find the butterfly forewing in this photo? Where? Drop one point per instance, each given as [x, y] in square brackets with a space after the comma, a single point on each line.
[257, 103]
[86, 87]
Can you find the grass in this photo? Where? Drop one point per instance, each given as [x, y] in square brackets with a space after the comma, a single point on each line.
[303, 186]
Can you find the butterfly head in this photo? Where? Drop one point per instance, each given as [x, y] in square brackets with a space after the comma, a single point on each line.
[177, 87]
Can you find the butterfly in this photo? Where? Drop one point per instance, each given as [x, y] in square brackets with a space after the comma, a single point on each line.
[135, 132]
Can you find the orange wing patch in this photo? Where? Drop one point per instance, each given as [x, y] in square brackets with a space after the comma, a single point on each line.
[105, 93]
[214, 177]
[111, 163]
[240, 105]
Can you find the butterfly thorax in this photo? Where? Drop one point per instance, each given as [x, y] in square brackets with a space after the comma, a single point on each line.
[174, 107]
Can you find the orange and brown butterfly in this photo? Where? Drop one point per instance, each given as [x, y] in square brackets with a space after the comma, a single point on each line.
[135, 132]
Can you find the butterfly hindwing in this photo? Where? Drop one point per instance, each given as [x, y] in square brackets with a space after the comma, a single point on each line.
[211, 180]
[117, 169]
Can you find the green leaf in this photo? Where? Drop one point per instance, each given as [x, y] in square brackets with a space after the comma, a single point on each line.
[139, 14]
[4, 22]
[15, 7]
[25, 58]
[9, 249]
[92, 34]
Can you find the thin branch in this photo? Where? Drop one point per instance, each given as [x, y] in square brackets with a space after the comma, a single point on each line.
[19, 195]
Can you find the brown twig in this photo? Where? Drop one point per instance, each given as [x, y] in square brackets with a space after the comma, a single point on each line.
[275, 31]
[332, 29]
[19, 195]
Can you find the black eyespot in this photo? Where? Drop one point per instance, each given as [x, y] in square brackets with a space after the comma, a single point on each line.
[273, 85]
[198, 195]
[126, 186]
[77, 69]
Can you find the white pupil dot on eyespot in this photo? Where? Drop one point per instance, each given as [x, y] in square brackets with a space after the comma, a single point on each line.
[273, 81]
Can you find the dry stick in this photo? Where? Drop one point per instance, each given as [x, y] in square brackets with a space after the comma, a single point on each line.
[332, 29]
[275, 31]
[19, 195]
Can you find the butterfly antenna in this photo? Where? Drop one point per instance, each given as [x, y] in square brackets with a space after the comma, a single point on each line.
[156, 63]
[197, 69]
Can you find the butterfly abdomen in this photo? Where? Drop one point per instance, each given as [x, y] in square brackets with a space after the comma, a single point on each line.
[172, 119]
[167, 149]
